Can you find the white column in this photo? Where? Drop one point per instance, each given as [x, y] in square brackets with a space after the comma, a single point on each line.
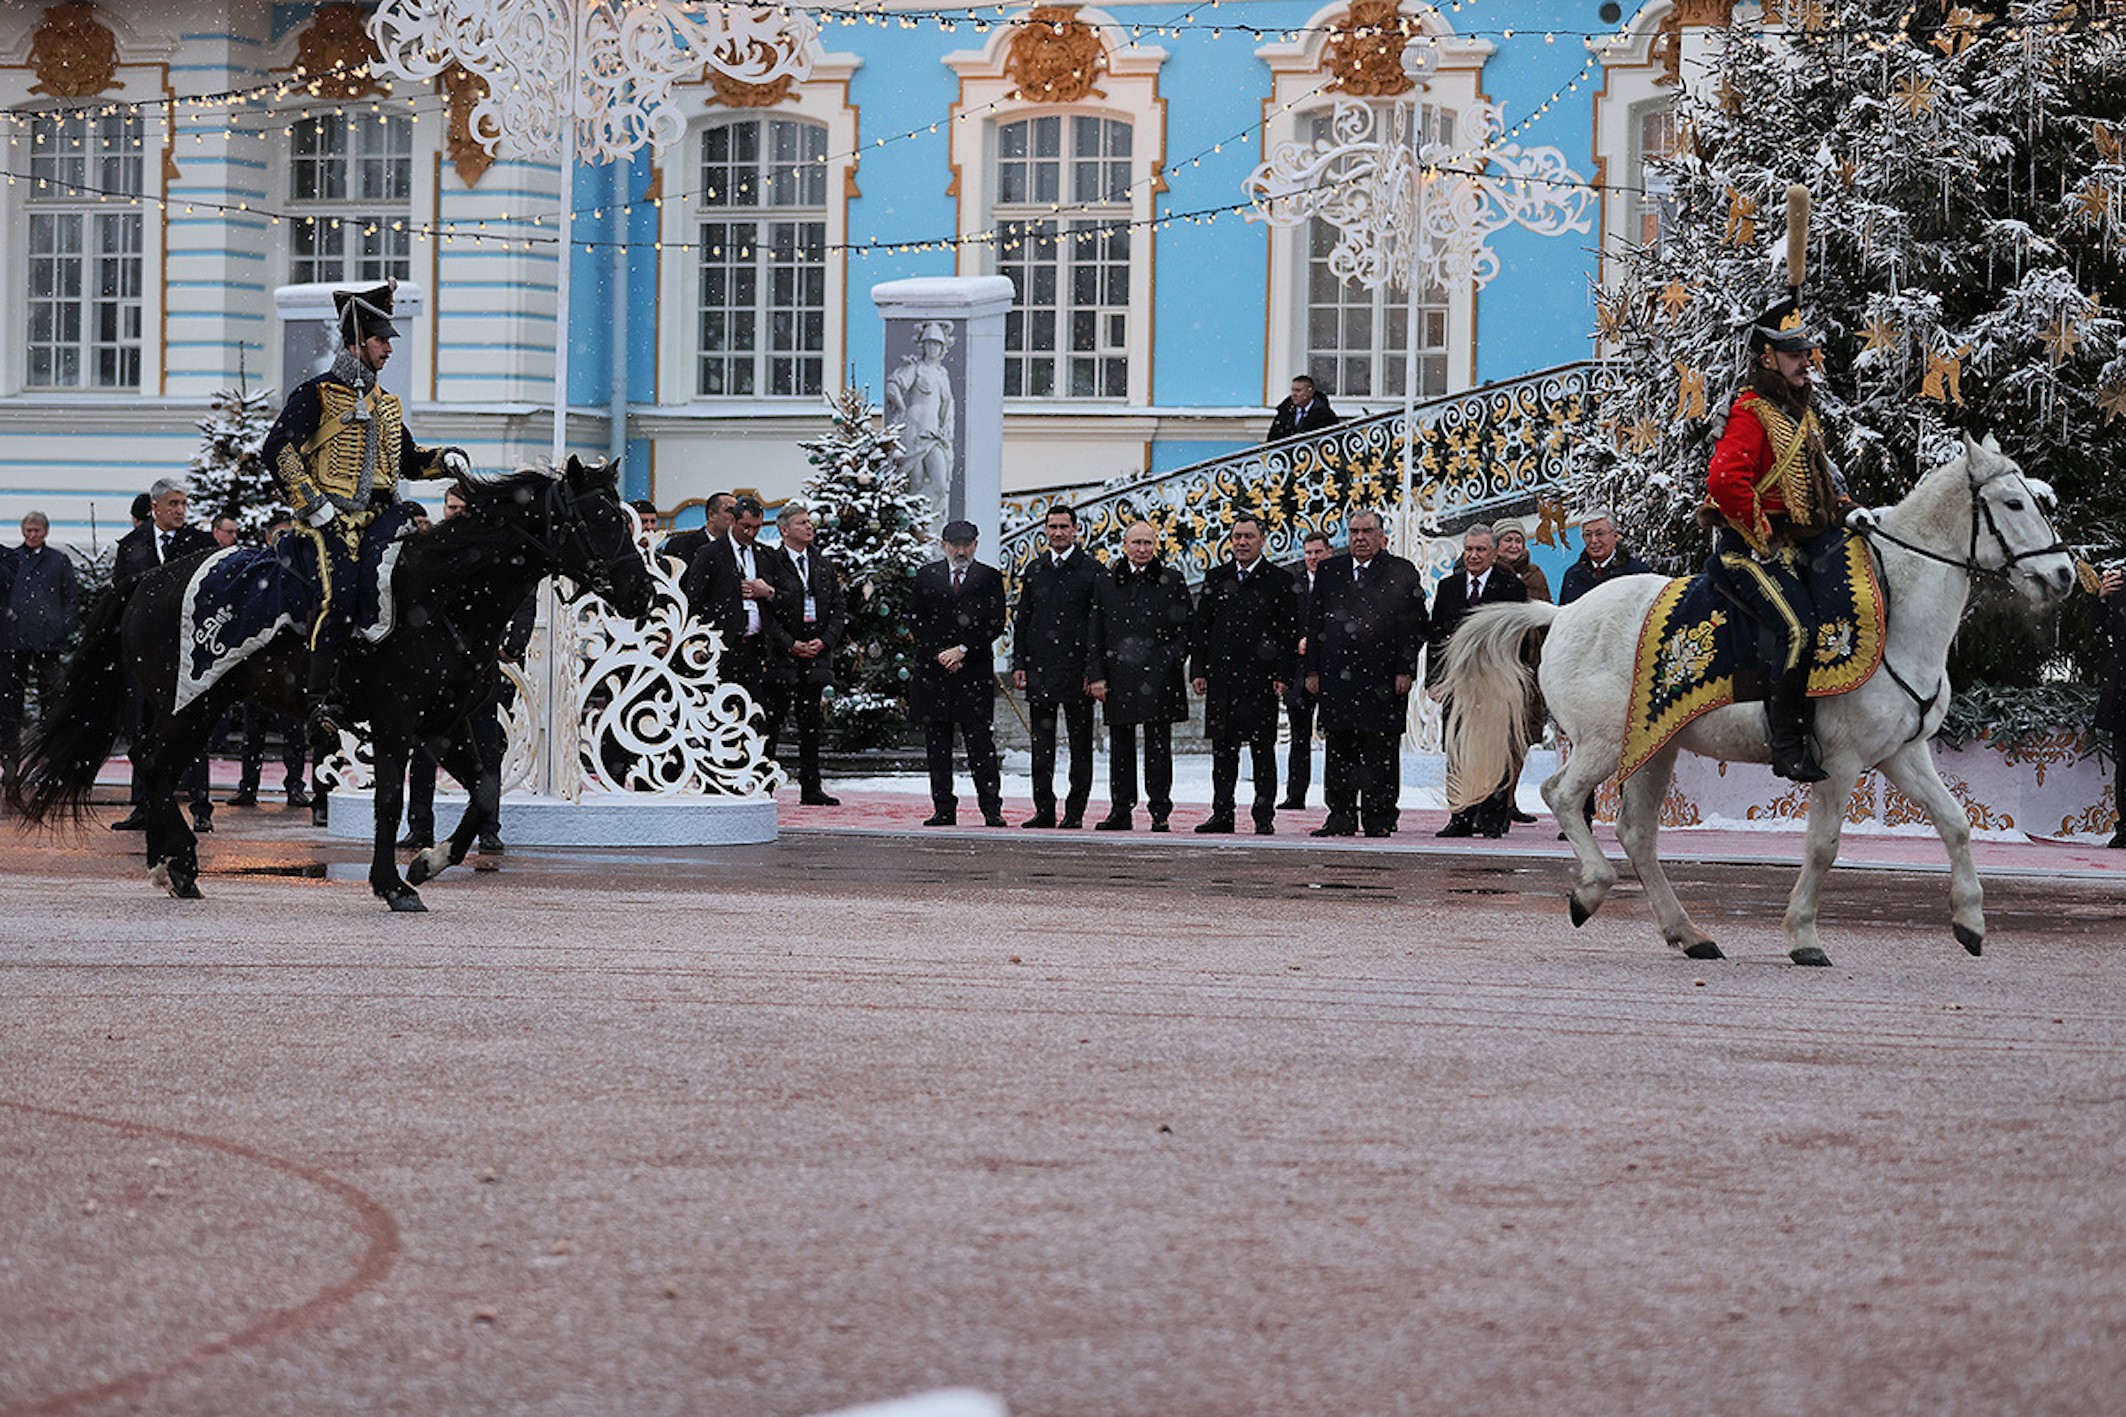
[972, 308]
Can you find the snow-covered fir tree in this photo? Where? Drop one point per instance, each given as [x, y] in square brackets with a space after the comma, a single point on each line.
[1967, 257]
[879, 533]
[228, 477]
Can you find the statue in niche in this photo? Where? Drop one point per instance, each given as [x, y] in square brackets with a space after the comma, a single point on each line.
[919, 398]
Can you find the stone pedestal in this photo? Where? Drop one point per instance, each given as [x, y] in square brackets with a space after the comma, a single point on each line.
[945, 382]
[599, 819]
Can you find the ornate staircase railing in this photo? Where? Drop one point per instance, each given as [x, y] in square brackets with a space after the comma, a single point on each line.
[1489, 448]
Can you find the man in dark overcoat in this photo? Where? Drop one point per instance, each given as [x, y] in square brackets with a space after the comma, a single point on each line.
[959, 613]
[805, 621]
[725, 588]
[1478, 580]
[1304, 412]
[1048, 665]
[1245, 643]
[1364, 633]
[161, 539]
[1136, 653]
[1298, 700]
[2111, 698]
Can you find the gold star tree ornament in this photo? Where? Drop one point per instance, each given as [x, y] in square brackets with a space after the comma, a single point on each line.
[2111, 402]
[1916, 94]
[1675, 298]
[1880, 333]
[2060, 339]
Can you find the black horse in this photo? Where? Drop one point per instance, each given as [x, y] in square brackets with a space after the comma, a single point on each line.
[455, 588]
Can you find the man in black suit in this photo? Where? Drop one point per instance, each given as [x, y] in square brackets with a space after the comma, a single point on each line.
[1245, 641]
[683, 546]
[1306, 410]
[805, 622]
[158, 541]
[1364, 633]
[725, 588]
[1136, 655]
[1298, 701]
[1478, 580]
[1048, 665]
[959, 612]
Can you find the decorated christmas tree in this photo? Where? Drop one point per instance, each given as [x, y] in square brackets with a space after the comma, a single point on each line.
[228, 477]
[878, 532]
[1966, 264]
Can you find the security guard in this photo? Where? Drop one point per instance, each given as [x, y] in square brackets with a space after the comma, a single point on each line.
[339, 448]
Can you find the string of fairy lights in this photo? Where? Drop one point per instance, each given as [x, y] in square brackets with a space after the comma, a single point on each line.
[283, 103]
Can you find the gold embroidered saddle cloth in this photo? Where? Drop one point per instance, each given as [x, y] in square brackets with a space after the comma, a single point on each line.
[1697, 652]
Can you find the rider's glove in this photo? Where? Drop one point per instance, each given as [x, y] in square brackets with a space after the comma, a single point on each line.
[454, 462]
[320, 514]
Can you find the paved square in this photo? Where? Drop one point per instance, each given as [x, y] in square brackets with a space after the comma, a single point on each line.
[1102, 1128]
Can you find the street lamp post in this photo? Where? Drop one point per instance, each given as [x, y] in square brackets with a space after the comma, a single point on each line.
[1419, 63]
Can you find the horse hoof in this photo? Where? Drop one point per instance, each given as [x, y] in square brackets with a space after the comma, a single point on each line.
[187, 890]
[1706, 949]
[417, 872]
[1971, 940]
[1809, 955]
[1580, 913]
[406, 902]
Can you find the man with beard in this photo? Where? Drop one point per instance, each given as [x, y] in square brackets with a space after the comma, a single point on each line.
[1771, 492]
[958, 614]
[1363, 632]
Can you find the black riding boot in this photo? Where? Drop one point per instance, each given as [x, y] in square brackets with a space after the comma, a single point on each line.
[1790, 715]
[327, 714]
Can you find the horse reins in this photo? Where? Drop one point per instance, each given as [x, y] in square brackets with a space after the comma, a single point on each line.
[557, 501]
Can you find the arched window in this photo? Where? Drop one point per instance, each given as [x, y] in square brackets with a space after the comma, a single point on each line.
[1355, 341]
[761, 245]
[1067, 334]
[85, 257]
[1653, 135]
[350, 183]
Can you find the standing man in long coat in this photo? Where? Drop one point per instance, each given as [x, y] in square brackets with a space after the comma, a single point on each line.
[1134, 663]
[959, 612]
[1298, 698]
[1245, 640]
[1048, 665]
[1364, 632]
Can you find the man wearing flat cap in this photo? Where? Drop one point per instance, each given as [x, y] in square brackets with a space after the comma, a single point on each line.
[339, 448]
[959, 612]
[1772, 494]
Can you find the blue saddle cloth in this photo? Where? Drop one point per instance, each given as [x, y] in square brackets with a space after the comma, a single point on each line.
[240, 598]
[1698, 651]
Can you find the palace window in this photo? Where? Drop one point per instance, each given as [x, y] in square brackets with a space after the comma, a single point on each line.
[761, 245]
[85, 264]
[1067, 335]
[1653, 134]
[1356, 341]
[351, 186]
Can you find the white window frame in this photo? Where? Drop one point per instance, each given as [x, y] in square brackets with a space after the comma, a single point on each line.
[1297, 72]
[51, 195]
[1129, 93]
[764, 264]
[822, 99]
[352, 212]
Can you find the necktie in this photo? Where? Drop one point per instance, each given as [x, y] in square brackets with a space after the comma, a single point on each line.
[958, 575]
[802, 578]
[165, 551]
[1358, 571]
[1476, 588]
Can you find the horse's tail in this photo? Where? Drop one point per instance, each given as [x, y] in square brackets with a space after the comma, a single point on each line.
[74, 738]
[1490, 690]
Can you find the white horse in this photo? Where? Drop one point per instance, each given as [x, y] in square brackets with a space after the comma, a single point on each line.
[1975, 515]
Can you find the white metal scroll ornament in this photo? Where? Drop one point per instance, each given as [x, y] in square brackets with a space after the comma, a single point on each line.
[608, 64]
[1397, 211]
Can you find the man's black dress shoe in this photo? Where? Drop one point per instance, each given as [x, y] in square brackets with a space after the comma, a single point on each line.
[941, 819]
[1457, 825]
[1215, 826]
[133, 821]
[817, 799]
[1115, 822]
[1040, 821]
[1336, 826]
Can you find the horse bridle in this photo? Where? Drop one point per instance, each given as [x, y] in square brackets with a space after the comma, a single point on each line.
[1981, 512]
[558, 509]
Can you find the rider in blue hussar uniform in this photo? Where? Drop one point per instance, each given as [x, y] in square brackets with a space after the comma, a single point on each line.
[339, 448]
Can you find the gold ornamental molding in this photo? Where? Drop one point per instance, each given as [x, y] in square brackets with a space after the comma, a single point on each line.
[465, 89]
[1705, 14]
[337, 54]
[1055, 56]
[1365, 50]
[739, 93]
[74, 53]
